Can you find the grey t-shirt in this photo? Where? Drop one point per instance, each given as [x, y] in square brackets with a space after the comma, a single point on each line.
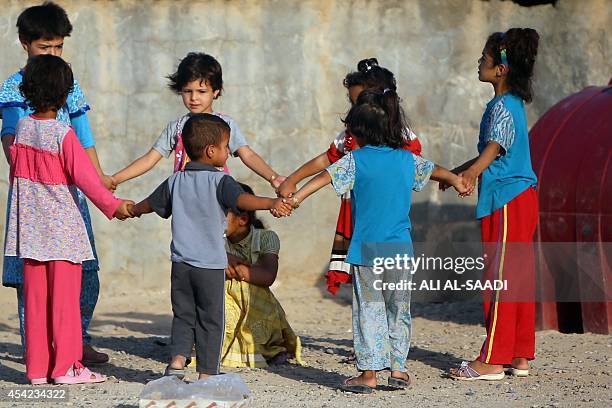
[166, 141]
[198, 200]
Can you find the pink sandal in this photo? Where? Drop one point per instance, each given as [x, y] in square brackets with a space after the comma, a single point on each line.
[78, 374]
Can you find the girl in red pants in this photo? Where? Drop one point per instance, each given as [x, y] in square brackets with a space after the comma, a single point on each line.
[507, 207]
[45, 227]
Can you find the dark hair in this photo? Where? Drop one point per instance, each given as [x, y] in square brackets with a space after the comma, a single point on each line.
[47, 81]
[197, 65]
[201, 130]
[521, 45]
[371, 76]
[377, 118]
[46, 21]
[253, 220]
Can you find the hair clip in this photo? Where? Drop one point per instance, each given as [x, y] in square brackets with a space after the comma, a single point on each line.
[386, 90]
[365, 65]
[504, 56]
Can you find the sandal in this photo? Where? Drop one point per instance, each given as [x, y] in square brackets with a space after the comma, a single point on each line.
[517, 372]
[92, 356]
[79, 374]
[39, 381]
[176, 372]
[355, 388]
[466, 372]
[399, 383]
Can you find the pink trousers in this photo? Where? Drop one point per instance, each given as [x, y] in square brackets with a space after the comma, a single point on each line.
[53, 317]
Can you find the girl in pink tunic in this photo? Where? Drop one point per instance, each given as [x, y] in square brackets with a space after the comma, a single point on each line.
[45, 227]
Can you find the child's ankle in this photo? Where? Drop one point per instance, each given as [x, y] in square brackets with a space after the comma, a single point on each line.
[368, 374]
[178, 361]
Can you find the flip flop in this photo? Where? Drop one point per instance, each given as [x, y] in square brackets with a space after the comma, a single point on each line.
[517, 372]
[80, 375]
[398, 383]
[177, 372]
[355, 388]
[467, 373]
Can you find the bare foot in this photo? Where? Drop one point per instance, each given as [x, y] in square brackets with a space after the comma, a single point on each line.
[521, 363]
[401, 375]
[203, 376]
[367, 377]
[481, 368]
[178, 362]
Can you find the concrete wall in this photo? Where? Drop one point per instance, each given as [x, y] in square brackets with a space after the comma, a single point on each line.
[283, 64]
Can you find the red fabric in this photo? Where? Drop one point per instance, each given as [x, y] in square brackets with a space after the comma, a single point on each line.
[334, 279]
[38, 165]
[52, 317]
[84, 175]
[344, 226]
[510, 314]
[414, 146]
[333, 154]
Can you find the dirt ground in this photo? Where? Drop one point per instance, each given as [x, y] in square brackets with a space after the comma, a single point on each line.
[570, 370]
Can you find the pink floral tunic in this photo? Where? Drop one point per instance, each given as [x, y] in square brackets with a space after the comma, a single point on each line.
[47, 164]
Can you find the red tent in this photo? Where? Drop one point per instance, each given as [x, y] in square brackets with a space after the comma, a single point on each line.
[571, 150]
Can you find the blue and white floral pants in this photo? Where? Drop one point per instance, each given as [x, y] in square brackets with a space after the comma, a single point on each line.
[381, 319]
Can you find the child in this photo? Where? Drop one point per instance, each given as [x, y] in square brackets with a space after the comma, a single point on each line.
[45, 228]
[199, 81]
[257, 332]
[380, 176]
[507, 205]
[198, 199]
[42, 30]
[370, 76]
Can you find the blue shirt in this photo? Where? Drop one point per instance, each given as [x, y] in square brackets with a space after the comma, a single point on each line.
[381, 180]
[14, 107]
[510, 174]
[198, 200]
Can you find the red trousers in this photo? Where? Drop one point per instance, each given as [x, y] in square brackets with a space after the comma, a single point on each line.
[509, 313]
[52, 317]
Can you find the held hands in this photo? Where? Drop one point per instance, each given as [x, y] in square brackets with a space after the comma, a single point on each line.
[124, 210]
[109, 183]
[464, 183]
[281, 208]
[286, 189]
[459, 186]
[469, 180]
[277, 181]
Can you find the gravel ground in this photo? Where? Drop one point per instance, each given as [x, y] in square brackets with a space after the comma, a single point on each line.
[571, 369]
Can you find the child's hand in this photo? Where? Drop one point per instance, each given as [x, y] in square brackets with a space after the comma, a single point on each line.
[123, 211]
[238, 272]
[133, 211]
[281, 208]
[443, 186]
[469, 180]
[109, 183]
[459, 186]
[286, 189]
[278, 180]
[234, 260]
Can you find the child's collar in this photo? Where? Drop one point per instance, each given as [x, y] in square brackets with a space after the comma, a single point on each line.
[197, 166]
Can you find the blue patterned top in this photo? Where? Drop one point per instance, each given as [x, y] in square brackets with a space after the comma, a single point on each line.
[380, 180]
[13, 106]
[504, 121]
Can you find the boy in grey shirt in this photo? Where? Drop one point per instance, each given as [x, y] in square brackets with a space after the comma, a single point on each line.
[198, 199]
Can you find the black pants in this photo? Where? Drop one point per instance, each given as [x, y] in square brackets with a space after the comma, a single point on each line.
[198, 302]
